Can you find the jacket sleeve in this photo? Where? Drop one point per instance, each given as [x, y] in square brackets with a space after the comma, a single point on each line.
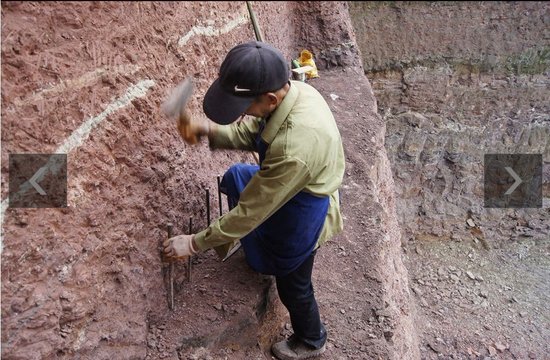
[239, 135]
[270, 188]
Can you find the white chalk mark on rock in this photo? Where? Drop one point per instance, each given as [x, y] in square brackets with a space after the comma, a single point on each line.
[86, 79]
[212, 31]
[81, 134]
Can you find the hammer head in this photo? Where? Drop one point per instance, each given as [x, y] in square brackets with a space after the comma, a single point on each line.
[175, 104]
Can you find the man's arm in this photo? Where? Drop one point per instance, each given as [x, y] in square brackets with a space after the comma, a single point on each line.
[270, 188]
[239, 135]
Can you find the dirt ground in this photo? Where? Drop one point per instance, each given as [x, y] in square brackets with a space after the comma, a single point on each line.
[482, 300]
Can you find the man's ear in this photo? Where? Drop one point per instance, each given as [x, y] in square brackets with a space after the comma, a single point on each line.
[272, 98]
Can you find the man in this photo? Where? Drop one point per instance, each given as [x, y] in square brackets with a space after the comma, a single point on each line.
[285, 208]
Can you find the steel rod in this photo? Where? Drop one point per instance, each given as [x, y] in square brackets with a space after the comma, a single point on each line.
[220, 196]
[189, 264]
[171, 271]
[207, 207]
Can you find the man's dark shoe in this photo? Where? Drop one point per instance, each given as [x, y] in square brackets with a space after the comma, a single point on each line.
[293, 348]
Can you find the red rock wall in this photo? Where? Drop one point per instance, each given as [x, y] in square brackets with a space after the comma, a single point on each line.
[80, 279]
[87, 79]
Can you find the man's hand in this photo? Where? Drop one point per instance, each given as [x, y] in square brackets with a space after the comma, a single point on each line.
[192, 130]
[179, 247]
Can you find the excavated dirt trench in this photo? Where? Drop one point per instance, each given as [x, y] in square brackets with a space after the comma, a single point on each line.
[84, 281]
[455, 81]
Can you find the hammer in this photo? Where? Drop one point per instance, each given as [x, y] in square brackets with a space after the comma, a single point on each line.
[175, 107]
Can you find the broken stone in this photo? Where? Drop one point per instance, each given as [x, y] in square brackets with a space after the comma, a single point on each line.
[500, 347]
[471, 223]
[218, 306]
[108, 79]
[342, 311]
[383, 312]
[470, 275]
[152, 343]
[456, 237]
[492, 350]
[416, 290]
[435, 347]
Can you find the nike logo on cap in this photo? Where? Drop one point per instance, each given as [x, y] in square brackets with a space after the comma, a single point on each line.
[238, 89]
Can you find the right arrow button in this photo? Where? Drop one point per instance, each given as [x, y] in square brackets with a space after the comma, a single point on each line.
[517, 182]
[524, 192]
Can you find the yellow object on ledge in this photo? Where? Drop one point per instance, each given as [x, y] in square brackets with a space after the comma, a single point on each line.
[305, 59]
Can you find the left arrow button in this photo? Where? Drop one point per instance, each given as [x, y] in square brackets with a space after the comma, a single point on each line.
[34, 183]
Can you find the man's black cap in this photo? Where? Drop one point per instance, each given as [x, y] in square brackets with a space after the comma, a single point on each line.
[249, 69]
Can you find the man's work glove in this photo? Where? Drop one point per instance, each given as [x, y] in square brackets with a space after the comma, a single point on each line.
[179, 247]
[192, 130]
